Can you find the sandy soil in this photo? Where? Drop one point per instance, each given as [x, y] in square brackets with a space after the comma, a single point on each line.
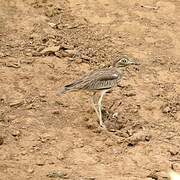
[45, 44]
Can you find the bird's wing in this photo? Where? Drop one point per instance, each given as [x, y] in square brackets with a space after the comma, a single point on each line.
[94, 79]
[100, 79]
[107, 76]
[104, 75]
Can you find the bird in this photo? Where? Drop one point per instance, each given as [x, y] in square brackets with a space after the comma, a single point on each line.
[100, 80]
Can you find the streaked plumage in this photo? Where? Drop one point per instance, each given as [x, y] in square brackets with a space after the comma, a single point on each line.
[99, 80]
[96, 80]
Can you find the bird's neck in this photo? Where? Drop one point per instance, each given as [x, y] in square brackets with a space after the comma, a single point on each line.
[120, 69]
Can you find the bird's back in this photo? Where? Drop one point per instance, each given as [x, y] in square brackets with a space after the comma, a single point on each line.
[96, 80]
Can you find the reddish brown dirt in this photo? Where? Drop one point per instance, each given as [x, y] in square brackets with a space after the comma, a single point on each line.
[45, 44]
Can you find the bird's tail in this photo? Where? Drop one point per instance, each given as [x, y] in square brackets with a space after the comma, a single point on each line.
[63, 90]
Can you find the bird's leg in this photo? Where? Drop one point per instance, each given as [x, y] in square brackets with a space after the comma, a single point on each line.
[100, 108]
[94, 105]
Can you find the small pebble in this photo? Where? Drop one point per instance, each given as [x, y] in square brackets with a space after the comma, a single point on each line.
[16, 103]
[60, 156]
[23, 153]
[40, 162]
[61, 175]
[30, 170]
[109, 142]
[55, 111]
[15, 132]
[50, 50]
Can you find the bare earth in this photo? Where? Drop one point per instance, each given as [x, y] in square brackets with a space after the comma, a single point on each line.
[45, 44]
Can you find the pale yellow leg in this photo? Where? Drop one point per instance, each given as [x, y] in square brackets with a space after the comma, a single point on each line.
[100, 108]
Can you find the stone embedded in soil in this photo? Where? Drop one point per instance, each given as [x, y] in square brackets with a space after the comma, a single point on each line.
[13, 64]
[40, 162]
[51, 160]
[79, 143]
[109, 142]
[55, 111]
[15, 132]
[130, 94]
[45, 137]
[30, 170]
[60, 156]
[59, 174]
[78, 61]
[2, 54]
[140, 136]
[23, 153]
[53, 25]
[50, 50]
[16, 103]
[42, 94]
[71, 52]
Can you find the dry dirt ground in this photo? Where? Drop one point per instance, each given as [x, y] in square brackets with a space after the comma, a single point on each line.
[45, 44]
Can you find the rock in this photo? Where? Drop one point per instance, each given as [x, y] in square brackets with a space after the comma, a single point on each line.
[45, 137]
[78, 61]
[130, 94]
[50, 50]
[90, 178]
[2, 54]
[109, 142]
[79, 143]
[53, 25]
[13, 64]
[15, 132]
[39, 49]
[16, 103]
[1, 140]
[30, 170]
[71, 52]
[55, 111]
[36, 54]
[139, 137]
[87, 58]
[51, 160]
[58, 54]
[42, 94]
[40, 162]
[46, 153]
[11, 117]
[61, 175]
[60, 156]
[23, 153]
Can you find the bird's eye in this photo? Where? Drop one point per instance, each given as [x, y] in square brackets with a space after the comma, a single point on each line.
[124, 60]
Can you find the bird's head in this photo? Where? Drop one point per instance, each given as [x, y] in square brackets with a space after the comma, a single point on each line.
[124, 61]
